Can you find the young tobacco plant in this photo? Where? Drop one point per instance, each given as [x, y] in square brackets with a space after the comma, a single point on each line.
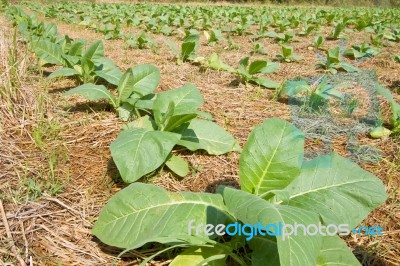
[147, 143]
[258, 48]
[141, 42]
[337, 31]
[216, 63]
[318, 41]
[333, 62]
[247, 72]
[363, 50]
[135, 87]
[188, 48]
[214, 37]
[88, 66]
[288, 55]
[380, 131]
[277, 186]
[316, 97]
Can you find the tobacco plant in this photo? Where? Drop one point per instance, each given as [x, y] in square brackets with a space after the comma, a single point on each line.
[86, 66]
[188, 48]
[288, 55]
[363, 50]
[277, 186]
[247, 72]
[135, 87]
[147, 142]
[316, 96]
[333, 62]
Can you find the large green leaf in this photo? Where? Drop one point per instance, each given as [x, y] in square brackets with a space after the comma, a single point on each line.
[256, 66]
[206, 135]
[76, 48]
[95, 51]
[138, 151]
[143, 213]
[188, 49]
[296, 250]
[264, 82]
[264, 249]
[49, 52]
[336, 188]
[92, 92]
[63, 72]
[106, 70]
[270, 68]
[186, 100]
[177, 165]
[295, 86]
[194, 256]
[142, 79]
[272, 157]
[334, 251]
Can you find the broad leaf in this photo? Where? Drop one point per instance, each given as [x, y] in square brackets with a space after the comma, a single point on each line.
[186, 100]
[63, 72]
[334, 251]
[92, 92]
[145, 122]
[194, 256]
[49, 53]
[177, 165]
[205, 135]
[143, 213]
[336, 188]
[256, 66]
[106, 70]
[142, 79]
[270, 68]
[95, 51]
[294, 87]
[264, 249]
[272, 157]
[138, 151]
[296, 250]
[266, 83]
[188, 49]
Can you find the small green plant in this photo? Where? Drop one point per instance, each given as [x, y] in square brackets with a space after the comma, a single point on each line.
[87, 67]
[135, 87]
[141, 42]
[280, 37]
[307, 29]
[277, 186]
[317, 97]
[247, 72]
[318, 41]
[337, 31]
[363, 50]
[258, 48]
[147, 142]
[188, 48]
[215, 62]
[333, 62]
[232, 45]
[397, 58]
[288, 55]
[349, 104]
[394, 120]
[214, 37]
[111, 31]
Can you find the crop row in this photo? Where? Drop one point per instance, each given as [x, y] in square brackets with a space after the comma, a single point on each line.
[277, 185]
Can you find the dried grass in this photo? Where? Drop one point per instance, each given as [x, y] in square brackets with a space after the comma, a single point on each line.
[56, 229]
